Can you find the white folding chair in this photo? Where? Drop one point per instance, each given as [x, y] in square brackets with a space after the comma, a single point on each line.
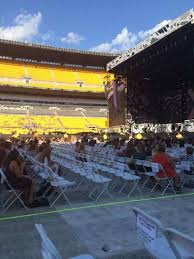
[139, 166]
[132, 181]
[181, 244]
[166, 181]
[186, 166]
[59, 184]
[152, 233]
[148, 172]
[13, 196]
[100, 184]
[49, 251]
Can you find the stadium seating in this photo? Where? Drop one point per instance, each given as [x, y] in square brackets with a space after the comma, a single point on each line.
[46, 77]
[11, 123]
[12, 70]
[39, 73]
[64, 75]
[90, 78]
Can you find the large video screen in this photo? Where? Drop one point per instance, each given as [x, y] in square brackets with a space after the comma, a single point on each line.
[116, 95]
[147, 103]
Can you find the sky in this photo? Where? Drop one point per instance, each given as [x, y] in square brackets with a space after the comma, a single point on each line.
[97, 25]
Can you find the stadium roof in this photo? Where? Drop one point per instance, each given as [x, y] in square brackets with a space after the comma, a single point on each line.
[39, 53]
[165, 40]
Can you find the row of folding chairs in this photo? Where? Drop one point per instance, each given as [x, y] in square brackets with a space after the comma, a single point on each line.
[121, 176]
[162, 242]
[148, 171]
[88, 157]
[92, 184]
[60, 186]
[106, 165]
[145, 170]
[121, 180]
[88, 150]
[9, 195]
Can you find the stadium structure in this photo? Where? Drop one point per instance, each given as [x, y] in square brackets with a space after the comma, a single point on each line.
[46, 89]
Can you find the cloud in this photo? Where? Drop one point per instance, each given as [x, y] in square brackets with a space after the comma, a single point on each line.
[72, 38]
[46, 36]
[125, 39]
[25, 27]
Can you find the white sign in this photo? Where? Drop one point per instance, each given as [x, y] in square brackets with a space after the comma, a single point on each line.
[146, 230]
[155, 167]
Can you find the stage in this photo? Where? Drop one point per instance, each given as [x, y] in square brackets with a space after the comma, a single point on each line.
[159, 77]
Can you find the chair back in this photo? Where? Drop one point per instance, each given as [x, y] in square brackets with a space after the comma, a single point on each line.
[147, 166]
[147, 227]
[48, 249]
[155, 167]
[159, 168]
[138, 162]
[2, 176]
[139, 166]
[152, 233]
[181, 244]
[5, 181]
[186, 165]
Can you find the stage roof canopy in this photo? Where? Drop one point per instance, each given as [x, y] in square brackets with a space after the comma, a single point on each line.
[35, 52]
[166, 52]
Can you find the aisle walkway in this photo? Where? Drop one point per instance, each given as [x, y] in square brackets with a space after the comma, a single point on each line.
[88, 230]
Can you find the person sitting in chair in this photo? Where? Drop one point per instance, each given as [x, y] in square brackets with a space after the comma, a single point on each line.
[14, 171]
[162, 158]
[189, 155]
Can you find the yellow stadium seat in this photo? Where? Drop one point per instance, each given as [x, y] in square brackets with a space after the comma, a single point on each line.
[45, 77]
[64, 75]
[17, 123]
[12, 70]
[39, 73]
[91, 78]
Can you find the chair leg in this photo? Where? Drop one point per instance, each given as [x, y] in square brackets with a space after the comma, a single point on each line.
[123, 187]
[165, 189]
[105, 189]
[133, 188]
[60, 194]
[154, 187]
[146, 181]
[17, 197]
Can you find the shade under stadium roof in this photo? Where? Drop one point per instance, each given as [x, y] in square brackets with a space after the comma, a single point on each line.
[152, 42]
[43, 53]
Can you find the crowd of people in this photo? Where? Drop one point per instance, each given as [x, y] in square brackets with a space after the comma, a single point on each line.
[154, 148]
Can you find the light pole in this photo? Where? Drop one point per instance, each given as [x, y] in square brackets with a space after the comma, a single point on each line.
[55, 111]
[30, 124]
[82, 111]
[27, 109]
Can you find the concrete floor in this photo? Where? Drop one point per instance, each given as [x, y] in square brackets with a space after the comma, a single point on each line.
[87, 230]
